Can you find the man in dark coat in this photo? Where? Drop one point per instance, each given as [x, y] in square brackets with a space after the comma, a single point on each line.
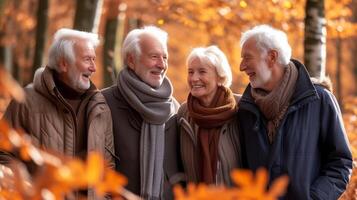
[288, 124]
[142, 106]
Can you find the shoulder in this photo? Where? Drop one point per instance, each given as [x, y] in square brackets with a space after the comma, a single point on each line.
[237, 97]
[176, 104]
[182, 110]
[171, 123]
[324, 93]
[327, 99]
[35, 99]
[108, 92]
[113, 97]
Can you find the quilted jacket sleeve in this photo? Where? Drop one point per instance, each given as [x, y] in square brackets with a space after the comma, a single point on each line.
[14, 116]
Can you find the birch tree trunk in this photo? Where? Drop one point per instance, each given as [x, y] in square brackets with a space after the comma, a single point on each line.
[315, 38]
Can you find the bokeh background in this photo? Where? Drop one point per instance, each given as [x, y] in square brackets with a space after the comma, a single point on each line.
[27, 27]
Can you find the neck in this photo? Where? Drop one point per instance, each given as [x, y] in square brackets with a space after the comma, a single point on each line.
[276, 77]
[207, 100]
[65, 90]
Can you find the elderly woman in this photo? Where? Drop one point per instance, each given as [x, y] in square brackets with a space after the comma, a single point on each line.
[208, 132]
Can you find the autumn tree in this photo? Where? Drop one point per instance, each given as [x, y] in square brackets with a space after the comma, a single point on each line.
[354, 47]
[41, 33]
[315, 38]
[2, 47]
[87, 15]
[111, 26]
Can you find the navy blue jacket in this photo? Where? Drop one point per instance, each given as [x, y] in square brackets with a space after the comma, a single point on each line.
[310, 144]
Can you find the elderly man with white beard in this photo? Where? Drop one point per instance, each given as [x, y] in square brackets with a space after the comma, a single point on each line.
[144, 122]
[64, 112]
[287, 123]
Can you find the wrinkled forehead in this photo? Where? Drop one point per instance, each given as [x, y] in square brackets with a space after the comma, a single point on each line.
[251, 47]
[148, 43]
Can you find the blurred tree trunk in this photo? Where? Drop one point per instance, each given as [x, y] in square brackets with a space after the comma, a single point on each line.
[315, 38]
[41, 34]
[2, 47]
[2, 56]
[354, 43]
[338, 68]
[2, 6]
[6, 57]
[111, 26]
[108, 51]
[87, 15]
[134, 23]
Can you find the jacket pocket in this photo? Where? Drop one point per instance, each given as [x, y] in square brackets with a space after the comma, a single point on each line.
[322, 189]
[116, 158]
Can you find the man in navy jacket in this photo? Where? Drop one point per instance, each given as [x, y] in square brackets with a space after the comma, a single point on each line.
[288, 124]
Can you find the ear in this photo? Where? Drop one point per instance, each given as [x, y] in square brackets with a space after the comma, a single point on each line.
[63, 65]
[131, 61]
[272, 57]
[220, 81]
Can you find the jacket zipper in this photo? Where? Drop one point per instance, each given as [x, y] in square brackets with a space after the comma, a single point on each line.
[74, 121]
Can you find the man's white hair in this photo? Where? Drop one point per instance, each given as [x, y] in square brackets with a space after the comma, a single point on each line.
[131, 44]
[268, 38]
[63, 43]
[213, 57]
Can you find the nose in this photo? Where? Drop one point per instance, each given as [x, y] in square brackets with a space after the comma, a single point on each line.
[93, 67]
[193, 76]
[161, 63]
[242, 66]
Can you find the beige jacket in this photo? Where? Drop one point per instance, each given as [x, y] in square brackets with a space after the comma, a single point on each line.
[50, 121]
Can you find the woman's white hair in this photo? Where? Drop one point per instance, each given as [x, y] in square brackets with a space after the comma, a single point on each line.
[63, 43]
[213, 57]
[268, 38]
[131, 44]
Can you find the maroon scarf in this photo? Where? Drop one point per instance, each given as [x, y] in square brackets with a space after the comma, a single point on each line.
[210, 120]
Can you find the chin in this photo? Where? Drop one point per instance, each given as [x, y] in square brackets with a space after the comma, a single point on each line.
[155, 84]
[196, 95]
[84, 86]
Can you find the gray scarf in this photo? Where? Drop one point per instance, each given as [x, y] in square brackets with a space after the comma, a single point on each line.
[155, 106]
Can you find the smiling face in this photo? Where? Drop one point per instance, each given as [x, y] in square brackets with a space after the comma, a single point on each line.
[202, 80]
[77, 74]
[151, 65]
[254, 63]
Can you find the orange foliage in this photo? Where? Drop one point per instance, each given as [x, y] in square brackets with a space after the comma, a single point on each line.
[350, 121]
[249, 188]
[7, 81]
[192, 23]
[56, 175]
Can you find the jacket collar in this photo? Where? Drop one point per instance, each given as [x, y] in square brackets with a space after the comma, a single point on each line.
[43, 81]
[304, 90]
[45, 84]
